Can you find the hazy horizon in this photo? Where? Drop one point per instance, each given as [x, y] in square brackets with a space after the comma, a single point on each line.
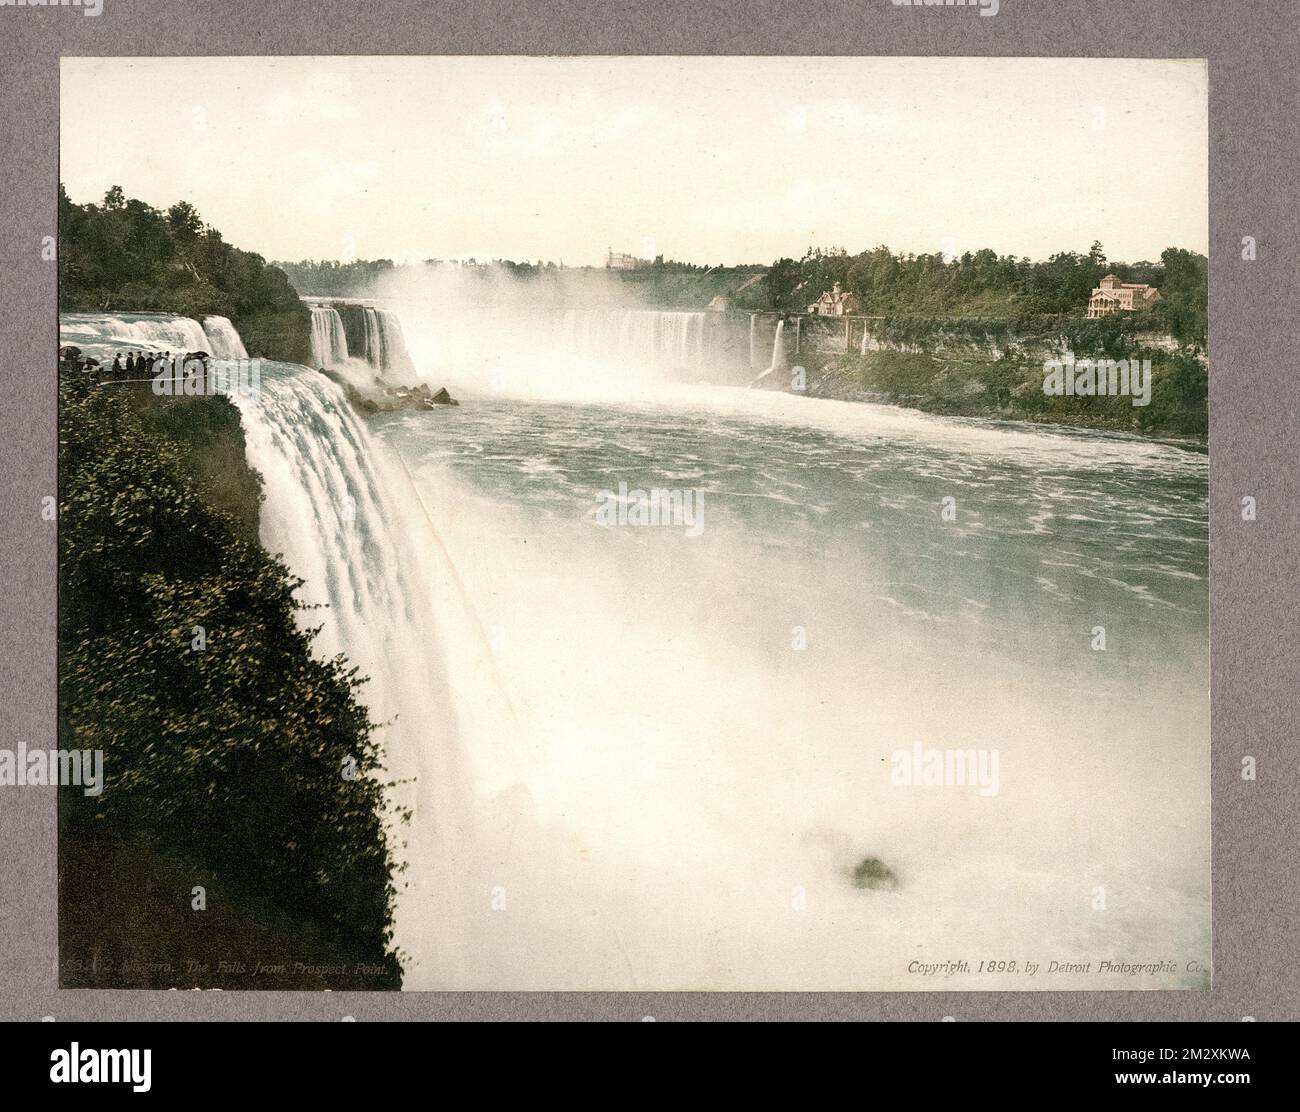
[704, 160]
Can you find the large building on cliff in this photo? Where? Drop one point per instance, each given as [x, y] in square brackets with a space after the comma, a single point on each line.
[1113, 296]
[617, 260]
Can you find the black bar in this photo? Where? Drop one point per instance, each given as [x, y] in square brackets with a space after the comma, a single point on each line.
[915, 1062]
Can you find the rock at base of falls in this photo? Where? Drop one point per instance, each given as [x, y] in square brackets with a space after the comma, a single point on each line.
[874, 874]
[390, 398]
[419, 397]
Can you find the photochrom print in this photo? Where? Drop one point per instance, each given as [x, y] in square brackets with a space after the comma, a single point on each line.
[632, 523]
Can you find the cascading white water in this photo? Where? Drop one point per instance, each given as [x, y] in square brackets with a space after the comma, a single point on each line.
[105, 336]
[343, 514]
[141, 331]
[329, 343]
[779, 360]
[224, 341]
[594, 829]
[544, 351]
[332, 513]
[656, 338]
[385, 346]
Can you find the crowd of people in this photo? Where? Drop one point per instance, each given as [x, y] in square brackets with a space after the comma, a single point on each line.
[133, 366]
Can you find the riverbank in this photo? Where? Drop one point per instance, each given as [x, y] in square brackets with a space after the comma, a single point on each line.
[995, 371]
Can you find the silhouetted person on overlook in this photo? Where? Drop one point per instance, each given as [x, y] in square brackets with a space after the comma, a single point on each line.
[118, 369]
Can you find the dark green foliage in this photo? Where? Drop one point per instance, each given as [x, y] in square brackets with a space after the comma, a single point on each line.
[987, 286]
[1113, 337]
[127, 256]
[1178, 397]
[229, 756]
[283, 334]
[1183, 309]
[329, 278]
[780, 283]
[946, 368]
[208, 431]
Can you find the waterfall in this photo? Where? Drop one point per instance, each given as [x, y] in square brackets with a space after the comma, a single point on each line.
[377, 339]
[341, 510]
[329, 343]
[610, 860]
[655, 338]
[869, 342]
[385, 346]
[374, 346]
[339, 516]
[135, 331]
[105, 335]
[223, 339]
[779, 360]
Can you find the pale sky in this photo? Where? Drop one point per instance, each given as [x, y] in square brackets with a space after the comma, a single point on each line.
[710, 160]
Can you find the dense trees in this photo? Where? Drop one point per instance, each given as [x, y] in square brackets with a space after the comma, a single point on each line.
[1184, 291]
[975, 284]
[330, 278]
[126, 255]
[985, 284]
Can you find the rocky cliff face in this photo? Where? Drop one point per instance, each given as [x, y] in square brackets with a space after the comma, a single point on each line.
[994, 368]
[283, 335]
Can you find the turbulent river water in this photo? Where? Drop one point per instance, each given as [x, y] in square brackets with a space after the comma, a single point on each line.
[703, 728]
[641, 758]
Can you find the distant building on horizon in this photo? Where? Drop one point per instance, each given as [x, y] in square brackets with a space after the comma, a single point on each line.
[616, 260]
[835, 302]
[1113, 296]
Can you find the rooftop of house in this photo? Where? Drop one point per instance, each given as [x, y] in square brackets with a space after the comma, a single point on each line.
[1111, 282]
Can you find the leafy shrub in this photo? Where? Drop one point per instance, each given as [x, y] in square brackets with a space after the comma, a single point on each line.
[231, 755]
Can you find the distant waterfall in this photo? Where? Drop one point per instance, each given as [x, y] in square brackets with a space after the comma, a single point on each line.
[224, 341]
[329, 343]
[385, 346]
[774, 372]
[650, 337]
[779, 359]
